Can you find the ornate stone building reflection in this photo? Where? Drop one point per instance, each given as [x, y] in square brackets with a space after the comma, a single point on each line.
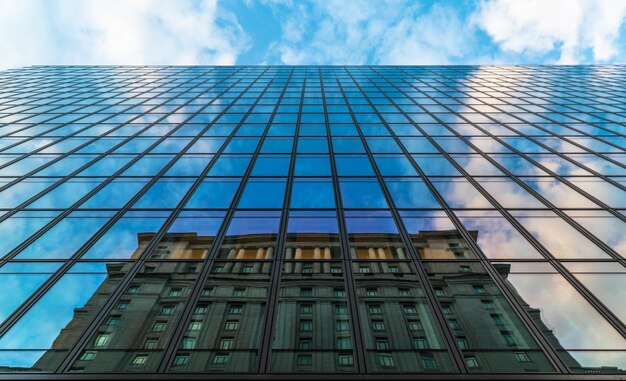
[312, 330]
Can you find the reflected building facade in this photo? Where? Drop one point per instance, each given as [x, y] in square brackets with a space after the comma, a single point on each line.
[346, 221]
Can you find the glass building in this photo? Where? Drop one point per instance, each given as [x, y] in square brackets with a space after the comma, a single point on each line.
[395, 222]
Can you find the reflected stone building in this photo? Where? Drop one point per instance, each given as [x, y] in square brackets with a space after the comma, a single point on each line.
[312, 322]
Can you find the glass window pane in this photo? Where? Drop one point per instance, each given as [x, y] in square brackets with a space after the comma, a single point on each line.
[312, 194]
[559, 237]
[271, 165]
[469, 295]
[353, 165]
[312, 165]
[115, 194]
[459, 193]
[411, 193]
[165, 193]
[362, 193]
[435, 236]
[17, 228]
[394, 165]
[213, 193]
[66, 237]
[128, 236]
[495, 236]
[263, 193]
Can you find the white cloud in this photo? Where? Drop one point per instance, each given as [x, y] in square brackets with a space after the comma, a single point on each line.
[118, 32]
[539, 26]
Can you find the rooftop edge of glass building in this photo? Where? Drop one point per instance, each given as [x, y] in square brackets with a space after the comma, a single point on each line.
[398, 222]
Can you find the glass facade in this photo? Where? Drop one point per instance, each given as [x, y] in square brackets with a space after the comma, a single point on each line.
[287, 220]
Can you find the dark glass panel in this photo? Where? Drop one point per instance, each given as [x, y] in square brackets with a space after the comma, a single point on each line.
[223, 334]
[398, 328]
[152, 303]
[480, 317]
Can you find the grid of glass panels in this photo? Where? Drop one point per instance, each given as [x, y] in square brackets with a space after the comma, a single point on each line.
[346, 220]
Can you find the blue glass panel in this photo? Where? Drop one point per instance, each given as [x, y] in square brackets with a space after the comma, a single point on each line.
[383, 145]
[25, 165]
[418, 145]
[147, 166]
[362, 193]
[459, 193]
[242, 145]
[394, 165]
[312, 165]
[312, 145]
[20, 226]
[65, 238]
[189, 165]
[435, 165]
[136, 145]
[171, 145]
[115, 194]
[374, 222]
[66, 194]
[353, 165]
[165, 194]
[214, 194]
[206, 145]
[36, 331]
[124, 238]
[230, 165]
[410, 193]
[277, 145]
[18, 281]
[263, 193]
[106, 166]
[312, 193]
[20, 192]
[312, 222]
[271, 165]
[65, 166]
[348, 145]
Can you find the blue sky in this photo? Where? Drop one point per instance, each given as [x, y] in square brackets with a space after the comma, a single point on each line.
[227, 32]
